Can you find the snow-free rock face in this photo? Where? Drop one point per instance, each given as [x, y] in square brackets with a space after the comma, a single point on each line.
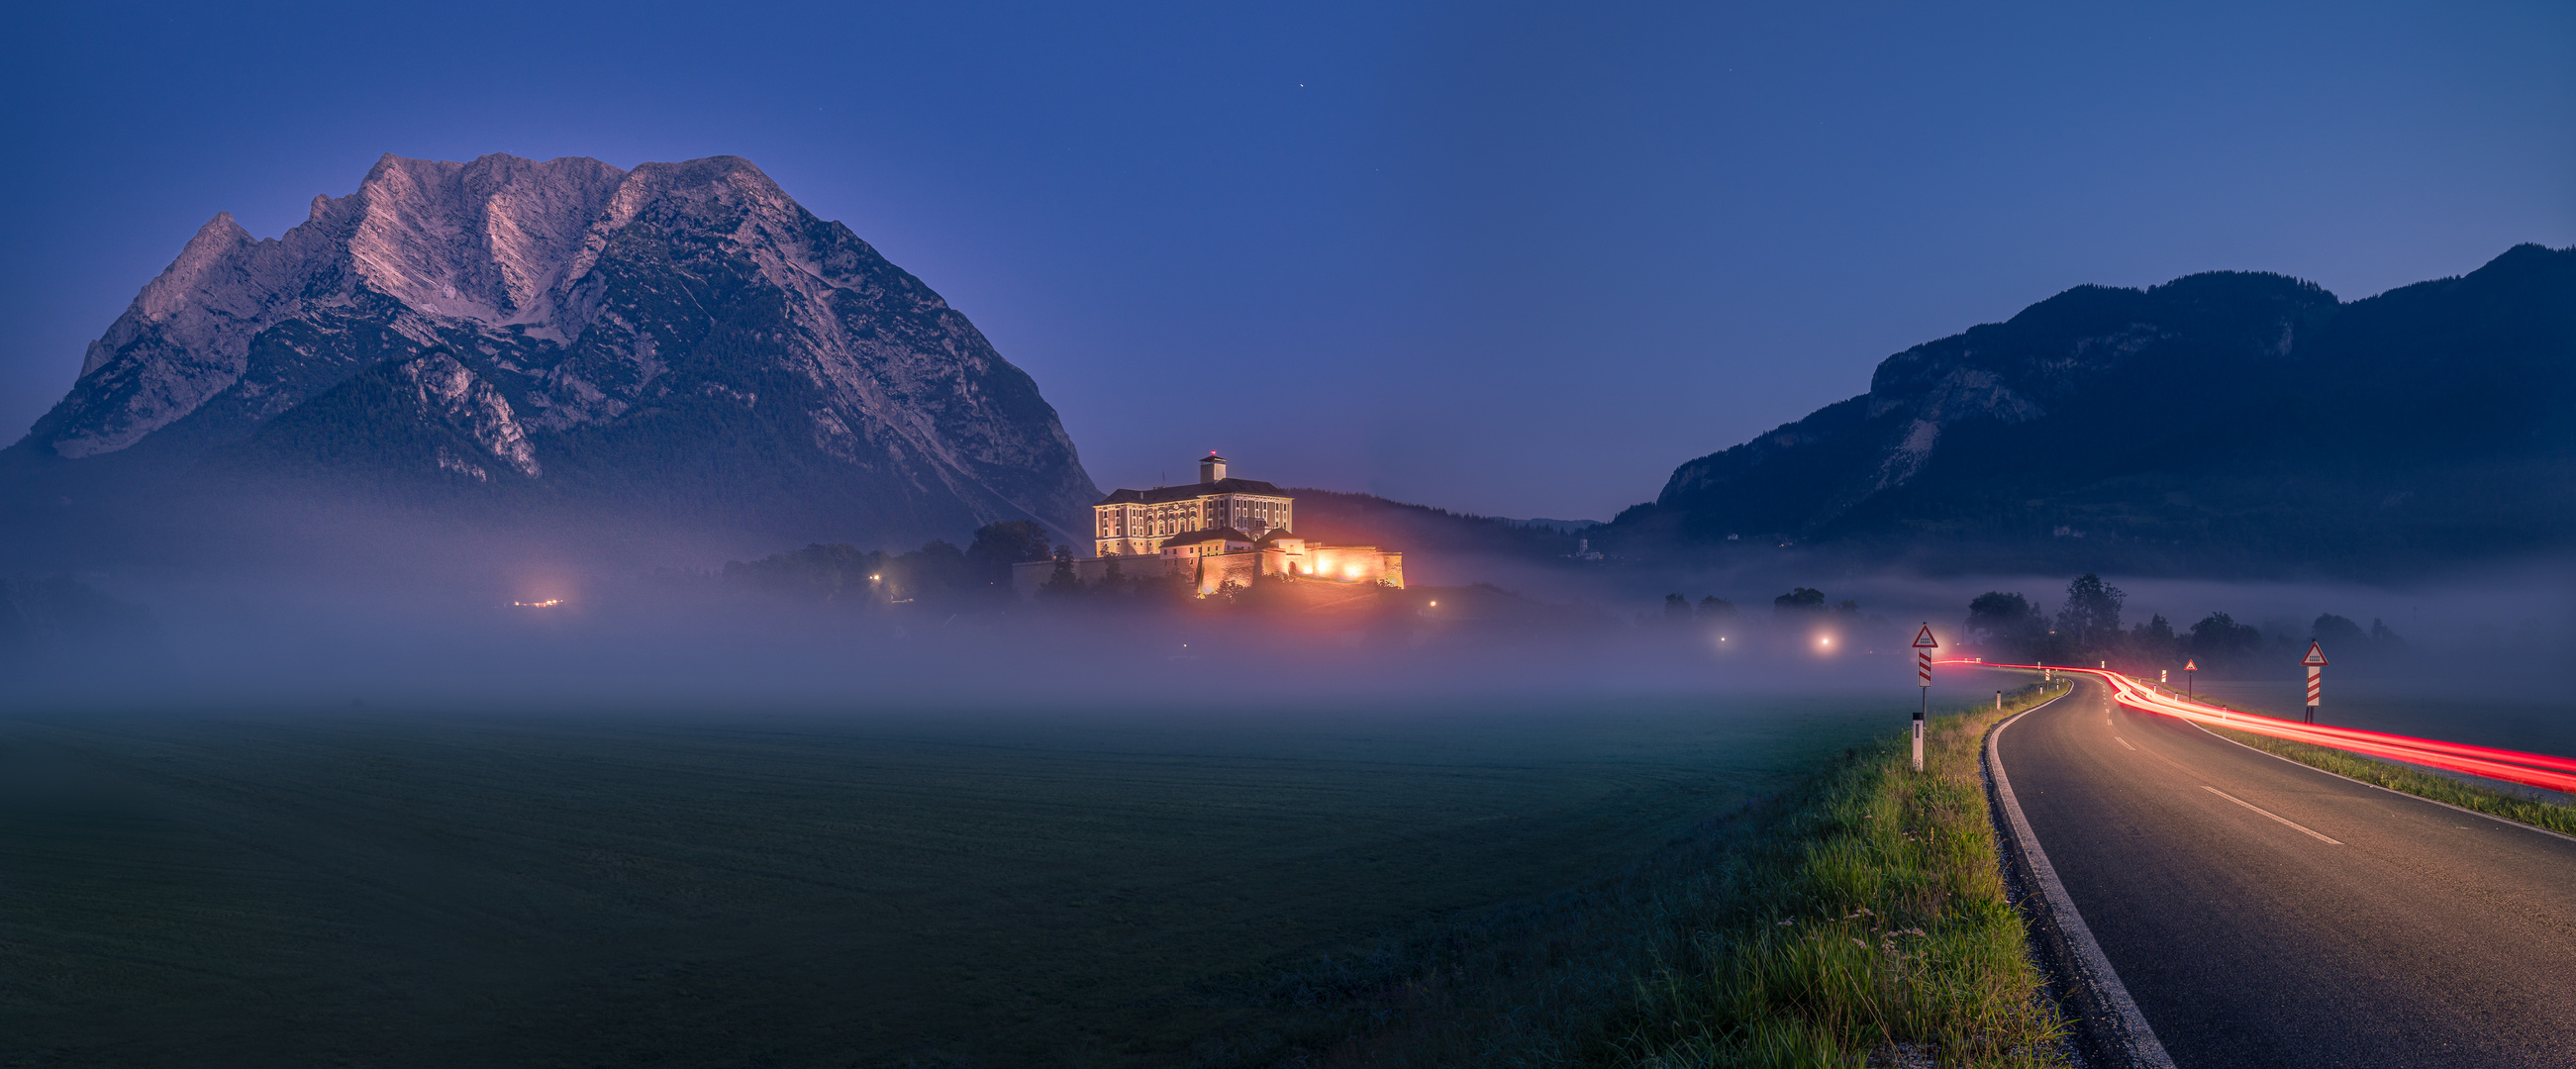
[569, 310]
[444, 391]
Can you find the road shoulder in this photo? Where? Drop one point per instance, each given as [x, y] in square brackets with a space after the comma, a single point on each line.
[2111, 1030]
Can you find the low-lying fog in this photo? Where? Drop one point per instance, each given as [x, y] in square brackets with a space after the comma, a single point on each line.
[538, 636]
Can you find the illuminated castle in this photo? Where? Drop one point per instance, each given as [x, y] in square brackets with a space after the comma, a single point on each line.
[1218, 530]
[1134, 523]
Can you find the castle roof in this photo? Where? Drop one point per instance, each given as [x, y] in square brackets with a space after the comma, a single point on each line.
[1161, 494]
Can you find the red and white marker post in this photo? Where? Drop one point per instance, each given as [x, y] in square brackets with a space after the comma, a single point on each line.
[1924, 644]
[2316, 662]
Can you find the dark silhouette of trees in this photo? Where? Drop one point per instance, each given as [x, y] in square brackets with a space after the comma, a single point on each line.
[2339, 633]
[998, 546]
[2088, 625]
[1798, 603]
[2348, 645]
[2153, 644]
[1062, 582]
[2004, 627]
[836, 571]
[2221, 644]
[1677, 609]
[1714, 609]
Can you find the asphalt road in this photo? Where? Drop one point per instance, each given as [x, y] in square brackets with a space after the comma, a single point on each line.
[2419, 935]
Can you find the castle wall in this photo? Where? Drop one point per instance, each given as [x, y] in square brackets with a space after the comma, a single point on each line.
[1239, 568]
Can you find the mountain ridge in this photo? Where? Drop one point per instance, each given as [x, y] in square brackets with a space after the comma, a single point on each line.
[560, 310]
[2229, 420]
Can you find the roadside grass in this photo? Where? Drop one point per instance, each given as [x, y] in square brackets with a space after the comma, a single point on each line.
[1857, 919]
[1877, 925]
[2493, 801]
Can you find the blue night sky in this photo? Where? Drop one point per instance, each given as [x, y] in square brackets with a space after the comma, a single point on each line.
[1519, 260]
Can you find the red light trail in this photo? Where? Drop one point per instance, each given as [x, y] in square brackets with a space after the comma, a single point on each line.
[2512, 766]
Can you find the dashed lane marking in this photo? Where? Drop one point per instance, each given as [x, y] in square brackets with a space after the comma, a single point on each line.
[2269, 813]
[2123, 742]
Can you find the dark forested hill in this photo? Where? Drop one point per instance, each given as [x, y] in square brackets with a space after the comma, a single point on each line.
[2220, 422]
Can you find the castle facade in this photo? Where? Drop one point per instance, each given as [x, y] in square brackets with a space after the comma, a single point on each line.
[1218, 531]
[1136, 523]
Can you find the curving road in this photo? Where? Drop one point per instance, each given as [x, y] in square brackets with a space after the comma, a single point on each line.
[2263, 913]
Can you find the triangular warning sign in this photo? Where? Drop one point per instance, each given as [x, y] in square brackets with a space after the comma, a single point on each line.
[2316, 655]
[1923, 639]
[2190, 665]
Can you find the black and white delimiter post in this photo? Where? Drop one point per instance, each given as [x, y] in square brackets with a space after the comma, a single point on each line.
[1924, 644]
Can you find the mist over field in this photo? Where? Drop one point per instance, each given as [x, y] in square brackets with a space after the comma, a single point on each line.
[432, 625]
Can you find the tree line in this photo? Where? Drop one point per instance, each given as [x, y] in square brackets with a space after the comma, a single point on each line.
[939, 573]
[2087, 630]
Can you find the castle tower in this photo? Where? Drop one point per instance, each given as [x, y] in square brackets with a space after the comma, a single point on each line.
[1211, 467]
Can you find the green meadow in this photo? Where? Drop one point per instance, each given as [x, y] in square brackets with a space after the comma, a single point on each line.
[374, 887]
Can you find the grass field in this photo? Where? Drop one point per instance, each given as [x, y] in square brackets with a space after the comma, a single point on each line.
[364, 887]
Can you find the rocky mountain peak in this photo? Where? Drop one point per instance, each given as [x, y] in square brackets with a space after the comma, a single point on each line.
[581, 296]
[492, 240]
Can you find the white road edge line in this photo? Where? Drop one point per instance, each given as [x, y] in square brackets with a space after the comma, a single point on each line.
[2266, 812]
[2295, 763]
[2149, 1050]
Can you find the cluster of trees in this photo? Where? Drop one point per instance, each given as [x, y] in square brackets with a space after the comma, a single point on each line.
[2087, 630]
[1801, 605]
[938, 573]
